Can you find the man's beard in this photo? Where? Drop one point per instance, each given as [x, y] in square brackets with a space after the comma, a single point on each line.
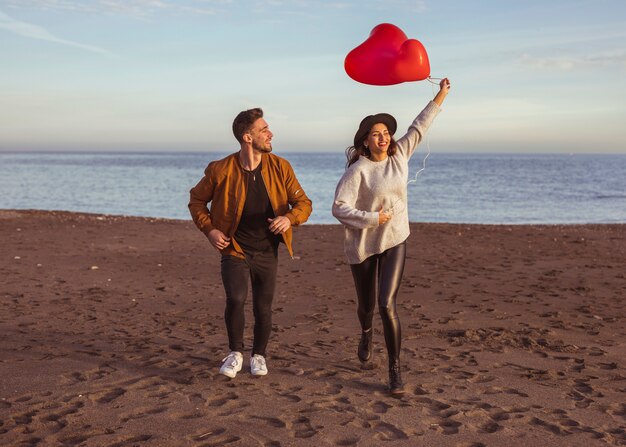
[256, 147]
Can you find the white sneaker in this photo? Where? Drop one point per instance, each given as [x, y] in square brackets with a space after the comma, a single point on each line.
[257, 365]
[232, 364]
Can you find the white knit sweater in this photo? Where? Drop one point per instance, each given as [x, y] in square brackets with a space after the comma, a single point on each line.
[368, 185]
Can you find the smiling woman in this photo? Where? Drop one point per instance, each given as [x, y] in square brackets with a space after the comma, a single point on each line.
[371, 128]
[366, 203]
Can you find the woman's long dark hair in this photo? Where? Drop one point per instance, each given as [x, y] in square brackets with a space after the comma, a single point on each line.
[354, 152]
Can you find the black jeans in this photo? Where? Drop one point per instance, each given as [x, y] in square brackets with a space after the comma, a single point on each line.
[261, 268]
[378, 279]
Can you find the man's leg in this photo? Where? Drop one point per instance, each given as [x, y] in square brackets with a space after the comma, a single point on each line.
[263, 268]
[235, 273]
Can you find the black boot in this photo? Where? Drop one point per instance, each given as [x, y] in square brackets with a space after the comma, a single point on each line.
[395, 380]
[365, 346]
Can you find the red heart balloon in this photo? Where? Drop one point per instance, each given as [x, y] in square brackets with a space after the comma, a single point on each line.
[388, 57]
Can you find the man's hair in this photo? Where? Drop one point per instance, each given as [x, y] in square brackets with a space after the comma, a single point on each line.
[244, 121]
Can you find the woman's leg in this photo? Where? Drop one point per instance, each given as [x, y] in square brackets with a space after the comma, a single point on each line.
[364, 275]
[390, 270]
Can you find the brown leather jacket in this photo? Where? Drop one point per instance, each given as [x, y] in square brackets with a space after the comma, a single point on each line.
[224, 185]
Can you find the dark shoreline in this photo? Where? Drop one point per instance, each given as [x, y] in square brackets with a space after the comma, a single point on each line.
[167, 219]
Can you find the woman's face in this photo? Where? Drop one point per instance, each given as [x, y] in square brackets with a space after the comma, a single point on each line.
[378, 141]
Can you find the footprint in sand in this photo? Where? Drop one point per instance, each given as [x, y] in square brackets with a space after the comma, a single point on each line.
[348, 441]
[554, 429]
[379, 407]
[434, 406]
[135, 440]
[223, 400]
[77, 439]
[419, 391]
[105, 397]
[74, 378]
[580, 400]
[291, 394]
[617, 410]
[143, 412]
[333, 389]
[215, 438]
[447, 427]
[490, 427]
[272, 422]
[505, 390]
[24, 418]
[607, 366]
[582, 386]
[196, 399]
[272, 444]
[389, 432]
[302, 428]
[189, 416]
[57, 416]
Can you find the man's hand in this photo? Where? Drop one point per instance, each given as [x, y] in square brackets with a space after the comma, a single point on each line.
[218, 239]
[279, 224]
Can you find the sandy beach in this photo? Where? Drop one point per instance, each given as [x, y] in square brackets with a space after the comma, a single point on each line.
[112, 335]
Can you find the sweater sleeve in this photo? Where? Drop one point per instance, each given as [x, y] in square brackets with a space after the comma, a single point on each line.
[408, 143]
[344, 206]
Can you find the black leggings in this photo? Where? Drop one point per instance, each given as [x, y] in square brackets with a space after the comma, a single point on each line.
[379, 277]
[261, 268]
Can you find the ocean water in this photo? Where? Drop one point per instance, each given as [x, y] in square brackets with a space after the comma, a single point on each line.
[454, 187]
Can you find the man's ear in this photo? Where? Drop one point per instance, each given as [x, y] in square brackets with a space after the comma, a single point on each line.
[247, 138]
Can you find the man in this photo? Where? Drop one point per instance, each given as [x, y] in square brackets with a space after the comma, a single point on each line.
[255, 200]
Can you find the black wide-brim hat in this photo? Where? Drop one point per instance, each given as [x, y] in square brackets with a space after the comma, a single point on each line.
[370, 120]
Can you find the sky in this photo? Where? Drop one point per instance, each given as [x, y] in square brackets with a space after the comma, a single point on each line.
[164, 75]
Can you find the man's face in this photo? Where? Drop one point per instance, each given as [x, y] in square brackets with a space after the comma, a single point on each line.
[261, 136]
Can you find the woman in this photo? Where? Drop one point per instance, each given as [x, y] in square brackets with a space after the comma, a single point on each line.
[371, 202]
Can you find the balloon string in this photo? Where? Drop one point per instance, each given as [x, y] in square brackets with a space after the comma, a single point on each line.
[433, 80]
[414, 179]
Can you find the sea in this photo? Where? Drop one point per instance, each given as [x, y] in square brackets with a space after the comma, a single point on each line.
[479, 188]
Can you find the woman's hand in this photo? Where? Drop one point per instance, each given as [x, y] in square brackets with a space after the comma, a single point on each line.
[444, 85]
[384, 216]
[444, 88]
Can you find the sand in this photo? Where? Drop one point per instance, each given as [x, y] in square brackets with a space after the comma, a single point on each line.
[112, 335]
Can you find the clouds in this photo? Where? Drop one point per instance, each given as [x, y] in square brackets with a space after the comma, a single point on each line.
[32, 31]
[141, 9]
[181, 69]
[146, 9]
[569, 63]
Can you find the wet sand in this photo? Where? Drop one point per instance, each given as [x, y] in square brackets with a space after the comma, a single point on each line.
[112, 335]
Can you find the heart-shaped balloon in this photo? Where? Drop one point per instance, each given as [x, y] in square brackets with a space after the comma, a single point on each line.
[388, 57]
